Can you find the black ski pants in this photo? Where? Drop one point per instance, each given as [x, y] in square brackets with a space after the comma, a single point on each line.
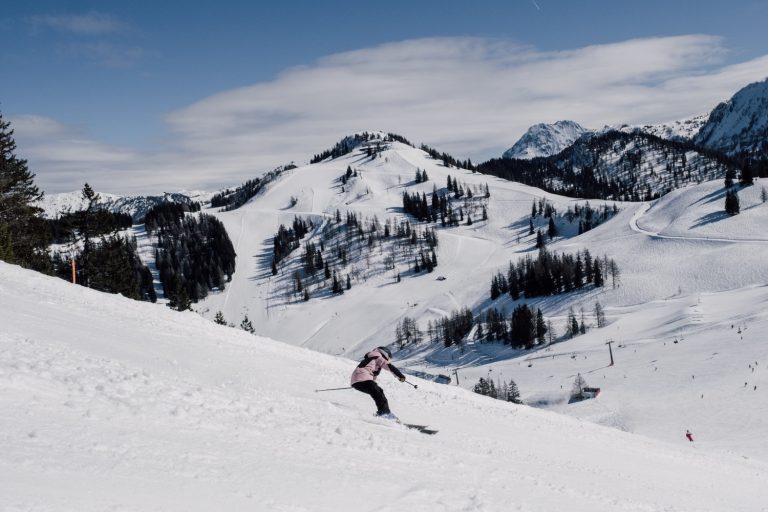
[369, 387]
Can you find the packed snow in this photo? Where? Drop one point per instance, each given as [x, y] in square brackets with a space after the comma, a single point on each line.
[112, 404]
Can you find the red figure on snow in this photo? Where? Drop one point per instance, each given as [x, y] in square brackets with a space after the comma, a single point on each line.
[689, 435]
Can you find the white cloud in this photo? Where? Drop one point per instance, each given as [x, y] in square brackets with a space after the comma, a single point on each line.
[470, 97]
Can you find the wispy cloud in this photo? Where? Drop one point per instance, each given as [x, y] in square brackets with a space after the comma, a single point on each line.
[91, 23]
[468, 96]
[104, 53]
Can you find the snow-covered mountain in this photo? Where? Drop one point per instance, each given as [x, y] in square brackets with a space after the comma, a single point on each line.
[546, 140]
[542, 140]
[112, 404]
[627, 165]
[679, 130]
[739, 125]
[54, 205]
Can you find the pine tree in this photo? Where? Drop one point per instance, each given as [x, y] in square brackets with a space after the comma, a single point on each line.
[482, 387]
[219, 319]
[747, 176]
[599, 315]
[577, 391]
[541, 327]
[178, 298]
[246, 325]
[730, 174]
[732, 202]
[513, 393]
[572, 326]
[552, 229]
[598, 274]
[23, 232]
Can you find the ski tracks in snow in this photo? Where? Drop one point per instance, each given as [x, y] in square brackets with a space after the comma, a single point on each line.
[643, 209]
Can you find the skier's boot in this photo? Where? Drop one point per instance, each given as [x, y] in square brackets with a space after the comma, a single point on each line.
[388, 416]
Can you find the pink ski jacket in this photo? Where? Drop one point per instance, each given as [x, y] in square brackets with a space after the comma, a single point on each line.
[370, 366]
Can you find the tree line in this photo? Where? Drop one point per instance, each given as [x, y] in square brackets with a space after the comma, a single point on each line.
[230, 200]
[348, 248]
[441, 207]
[552, 273]
[506, 391]
[194, 254]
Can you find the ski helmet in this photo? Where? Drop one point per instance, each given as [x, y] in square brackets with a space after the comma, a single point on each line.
[384, 351]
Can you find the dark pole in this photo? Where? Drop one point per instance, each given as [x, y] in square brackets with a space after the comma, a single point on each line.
[610, 351]
[332, 389]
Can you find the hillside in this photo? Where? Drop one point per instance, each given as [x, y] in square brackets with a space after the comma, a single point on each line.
[631, 166]
[124, 405]
[739, 125]
[467, 255]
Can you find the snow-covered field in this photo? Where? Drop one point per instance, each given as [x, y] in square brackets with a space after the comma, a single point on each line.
[111, 404]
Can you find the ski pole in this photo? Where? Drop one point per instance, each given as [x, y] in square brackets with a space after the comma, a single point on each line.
[333, 389]
[412, 384]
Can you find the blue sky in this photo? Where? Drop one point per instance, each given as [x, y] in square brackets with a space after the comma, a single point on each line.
[144, 97]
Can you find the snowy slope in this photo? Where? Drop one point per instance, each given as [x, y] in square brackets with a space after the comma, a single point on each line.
[546, 139]
[467, 255]
[739, 124]
[675, 253]
[110, 404]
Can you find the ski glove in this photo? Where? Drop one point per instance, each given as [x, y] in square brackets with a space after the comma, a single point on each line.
[402, 379]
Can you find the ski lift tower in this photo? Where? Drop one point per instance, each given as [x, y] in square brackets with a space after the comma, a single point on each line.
[610, 351]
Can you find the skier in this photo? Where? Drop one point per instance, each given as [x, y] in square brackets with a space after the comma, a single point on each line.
[364, 378]
[689, 435]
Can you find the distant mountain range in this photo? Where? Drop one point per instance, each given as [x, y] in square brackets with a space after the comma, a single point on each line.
[54, 205]
[737, 127]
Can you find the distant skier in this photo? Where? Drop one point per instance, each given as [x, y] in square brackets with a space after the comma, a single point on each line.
[364, 378]
[689, 435]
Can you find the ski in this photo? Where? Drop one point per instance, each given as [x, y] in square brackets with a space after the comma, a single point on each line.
[424, 429]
